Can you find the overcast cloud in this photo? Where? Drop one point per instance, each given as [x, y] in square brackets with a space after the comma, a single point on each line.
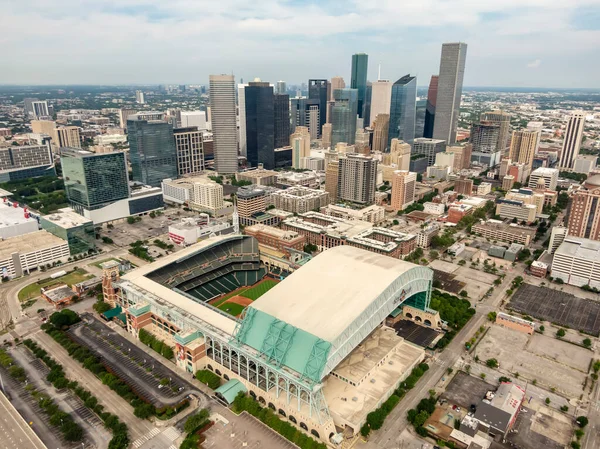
[542, 43]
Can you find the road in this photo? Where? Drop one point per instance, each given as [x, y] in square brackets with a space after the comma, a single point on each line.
[15, 433]
[592, 431]
[389, 435]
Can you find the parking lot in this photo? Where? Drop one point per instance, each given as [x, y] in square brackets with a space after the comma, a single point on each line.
[465, 390]
[136, 367]
[557, 307]
[414, 333]
[544, 428]
[475, 282]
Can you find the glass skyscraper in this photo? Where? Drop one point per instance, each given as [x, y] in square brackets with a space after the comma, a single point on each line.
[282, 120]
[260, 124]
[152, 150]
[94, 180]
[403, 109]
[317, 90]
[420, 115]
[343, 116]
[358, 80]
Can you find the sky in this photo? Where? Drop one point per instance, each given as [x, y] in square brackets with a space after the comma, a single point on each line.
[516, 43]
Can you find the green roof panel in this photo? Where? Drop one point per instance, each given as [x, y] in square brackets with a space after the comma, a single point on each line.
[229, 390]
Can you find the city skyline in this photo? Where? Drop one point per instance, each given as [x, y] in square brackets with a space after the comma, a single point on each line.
[529, 43]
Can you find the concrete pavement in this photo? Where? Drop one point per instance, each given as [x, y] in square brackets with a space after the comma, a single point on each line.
[15, 433]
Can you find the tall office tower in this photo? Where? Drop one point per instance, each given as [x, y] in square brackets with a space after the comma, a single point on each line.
[449, 92]
[223, 120]
[357, 178]
[584, 214]
[123, 114]
[366, 118]
[329, 110]
[337, 82]
[399, 154]
[462, 155]
[139, 97]
[305, 112]
[343, 116]
[326, 135]
[358, 80]
[523, 146]
[67, 136]
[260, 124]
[361, 142]
[43, 127]
[403, 109]
[503, 120]
[428, 148]
[300, 143]
[421, 112]
[430, 108]
[381, 127]
[331, 180]
[35, 108]
[28, 106]
[403, 189]
[241, 95]
[572, 141]
[484, 138]
[94, 180]
[281, 88]
[282, 120]
[189, 144]
[381, 97]
[152, 151]
[317, 90]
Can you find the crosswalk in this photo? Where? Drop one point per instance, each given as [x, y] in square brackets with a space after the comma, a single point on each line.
[141, 440]
[171, 433]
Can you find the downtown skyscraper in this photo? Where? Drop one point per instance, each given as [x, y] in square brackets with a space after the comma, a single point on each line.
[449, 91]
[317, 90]
[358, 80]
[343, 116]
[223, 120]
[260, 124]
[430, 108]
[572, 141]
[403, 109]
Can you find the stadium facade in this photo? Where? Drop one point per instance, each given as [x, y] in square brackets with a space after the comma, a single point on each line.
[312, 348]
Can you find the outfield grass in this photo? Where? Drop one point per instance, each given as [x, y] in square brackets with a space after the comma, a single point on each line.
[229, 295]
[33, 290]
[254, 293]
[232, 308]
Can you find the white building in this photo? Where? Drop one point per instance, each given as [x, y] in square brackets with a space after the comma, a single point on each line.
[207, 196]
[572, 140]
[299, 199]
[585, 164]
[373, 214]
[543, 177]
[191, 230]
[193, 118]
[143, 200]
[434, 208]
[577, 262]
[312, 163]
[19, 255]
[107, 139]
[484, 188]
[445, 159]
[557, 236]
[139, 97]
[15, 221]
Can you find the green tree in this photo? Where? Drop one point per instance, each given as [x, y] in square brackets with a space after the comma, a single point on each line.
[587, 342]
[582, 421]
[196, 420]
[560, 333]
[491, 363]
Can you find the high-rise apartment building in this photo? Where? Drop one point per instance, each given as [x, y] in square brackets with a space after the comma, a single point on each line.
[381, 97]
[462, 156]
[523, 146]
[318, 90]
[326, 136]
[189, 144]
[39, 109]
[331, 179]
[92, 180]
[223, 120]
[43, 127]
[306, 112]
[139, 97]
[123, 114]
[208, 196]
[282, 120]
[502, 119]
[241, 96]
[463, 186]
[584, 214]
[67, 136]
[430, 108]
[403, 109]
[361, 142]
[399, 155]
[484, 138]
[381, 127]
[449, 91]
[260, 124]
[572, 140]
[300, 143]
[337, 82]
[343, 116]
[281, 88]
[358, 80]
[152, 151]
[403, 189]
[429, 148]
[356, 179]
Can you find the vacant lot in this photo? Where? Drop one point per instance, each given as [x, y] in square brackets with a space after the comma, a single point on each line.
[557, 307]
[33, 290]
[549, 361]
[542, 428]
[475, 282]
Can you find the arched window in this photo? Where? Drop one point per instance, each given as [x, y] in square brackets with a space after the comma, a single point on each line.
[304, 426]
[418, 318]
[427, 323]
[315, 433]
[272, 406]
[408, 315]
[281, 412]
[292, 419]
[209, 367]
[225, 376]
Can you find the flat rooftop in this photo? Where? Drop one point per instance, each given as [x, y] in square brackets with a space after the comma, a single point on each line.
[580, 248]
[340, 284]
[27, 243]
[10, 216]
[67, 218]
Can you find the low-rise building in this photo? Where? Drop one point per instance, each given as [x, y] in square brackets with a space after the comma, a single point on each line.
[290, 179]
[484, 188]
[276, 238]
[59, 295]
[456, 249]
[427, 233]
[499, 414]
[258, 176]
[15, 220]
[543, 178]
[191, 230]
[77, 230]
[509, 233]
[538, 269]
[373, 214]
[458, 211]
[434, 208]
[515, 323]
[515, 209]
[19, 255]
[300, 199]
[577, 262]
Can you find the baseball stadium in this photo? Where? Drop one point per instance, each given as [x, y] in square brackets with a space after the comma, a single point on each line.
[313, 347]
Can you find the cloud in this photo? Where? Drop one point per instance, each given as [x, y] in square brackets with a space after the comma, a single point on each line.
[534, 64]
[183, 41]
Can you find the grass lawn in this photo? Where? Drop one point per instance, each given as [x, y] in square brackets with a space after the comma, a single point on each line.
[100, 262]
[232, 308]
[229, 295]
[254, 293]
[33, 290]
